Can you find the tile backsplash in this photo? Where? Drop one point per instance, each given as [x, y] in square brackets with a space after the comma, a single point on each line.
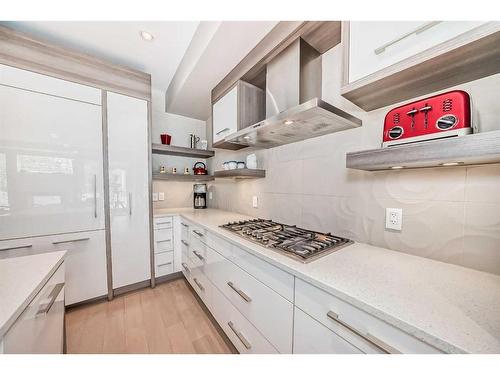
[449, 214]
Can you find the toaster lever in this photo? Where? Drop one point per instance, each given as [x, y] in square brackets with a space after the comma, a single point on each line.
[426, 109]
[412, 113]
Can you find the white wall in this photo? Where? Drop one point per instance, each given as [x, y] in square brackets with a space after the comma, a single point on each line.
[177, 194]
[449, 214]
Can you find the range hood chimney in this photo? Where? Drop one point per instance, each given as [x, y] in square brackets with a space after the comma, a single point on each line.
[294, 109]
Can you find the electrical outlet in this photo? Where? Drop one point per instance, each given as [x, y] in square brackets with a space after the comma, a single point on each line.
[210, 195]
[161, 196]
[255, 201]
[394, 218]
[155, 197]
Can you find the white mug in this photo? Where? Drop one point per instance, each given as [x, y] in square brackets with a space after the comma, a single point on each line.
[252, 161]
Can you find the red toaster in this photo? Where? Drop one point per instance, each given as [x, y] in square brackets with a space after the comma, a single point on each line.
[440, 116]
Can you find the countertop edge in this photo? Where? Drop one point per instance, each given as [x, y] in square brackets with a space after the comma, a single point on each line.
[6, 326]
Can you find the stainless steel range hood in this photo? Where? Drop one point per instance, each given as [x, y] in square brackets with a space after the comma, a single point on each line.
[294, 109]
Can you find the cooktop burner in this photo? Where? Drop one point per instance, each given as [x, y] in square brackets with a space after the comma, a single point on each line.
[298, 243]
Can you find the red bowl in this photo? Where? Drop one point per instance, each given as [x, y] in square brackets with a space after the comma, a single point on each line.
[165, 139]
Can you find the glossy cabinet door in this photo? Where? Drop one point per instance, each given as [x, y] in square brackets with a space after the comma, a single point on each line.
[375, 45]
[225, 115]
[50, 164]
[128, 189]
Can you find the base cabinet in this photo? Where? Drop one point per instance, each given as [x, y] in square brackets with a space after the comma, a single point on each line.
[40, 328]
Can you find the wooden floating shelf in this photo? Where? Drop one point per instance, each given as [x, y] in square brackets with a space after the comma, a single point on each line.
[182, 177]
[181, 151]
[473, 149]
[241, 173]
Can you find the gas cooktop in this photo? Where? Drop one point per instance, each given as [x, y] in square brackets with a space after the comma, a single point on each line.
[301, 244]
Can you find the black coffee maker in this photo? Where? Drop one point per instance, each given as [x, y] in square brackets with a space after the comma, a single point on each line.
[200, 195]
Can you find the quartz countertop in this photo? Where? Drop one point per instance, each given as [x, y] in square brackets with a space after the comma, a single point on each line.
[452, 308]
[21, 279]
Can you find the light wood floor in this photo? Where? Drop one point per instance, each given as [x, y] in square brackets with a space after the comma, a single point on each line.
[166, 319]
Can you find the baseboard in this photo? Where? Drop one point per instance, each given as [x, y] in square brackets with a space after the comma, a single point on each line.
[87, 301]
[212, 319]
[169, 277]
[131, 287]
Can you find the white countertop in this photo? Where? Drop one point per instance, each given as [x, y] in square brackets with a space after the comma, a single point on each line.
[21, 279]
[453, 308]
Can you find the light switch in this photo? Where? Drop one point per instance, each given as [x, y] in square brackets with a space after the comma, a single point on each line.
[255, 201]
[394, 218]
[161, 196]
[155, 197]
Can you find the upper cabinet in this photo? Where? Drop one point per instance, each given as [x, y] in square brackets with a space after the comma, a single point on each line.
[387, 62]
[242, 106]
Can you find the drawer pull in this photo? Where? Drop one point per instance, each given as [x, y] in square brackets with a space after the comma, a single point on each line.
[200, 257]
[199, 284]
[184, 225]
[44, 309]
[184, 243]
[164, 264]
[184, 265]
[198, 233]
[240, 336]
[367, 337]
[417, 31]
[167, 240]
[17, 247]
[68, 241]
[239, 291]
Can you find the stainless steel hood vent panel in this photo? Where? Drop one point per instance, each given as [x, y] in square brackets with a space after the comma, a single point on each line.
[311, 119]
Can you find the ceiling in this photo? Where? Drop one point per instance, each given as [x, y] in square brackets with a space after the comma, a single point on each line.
[120, 42]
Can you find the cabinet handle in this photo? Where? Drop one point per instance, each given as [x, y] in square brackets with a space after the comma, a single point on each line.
[240, 336]
[164, 264]
[167, 240]
[184, 225]
[198, 233]
[44, 309]
[95, 196]
[239, 291]
[199, 284]
[367, 337]
[130, 204]
[184, 265]
[184, 243]
[222, 131]
[200, 257]
[16, 247]
[417, 31]
[68, 241]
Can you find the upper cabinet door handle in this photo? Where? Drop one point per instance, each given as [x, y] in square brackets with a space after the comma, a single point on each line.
[418, 30]
[222, 131]
[95, 196]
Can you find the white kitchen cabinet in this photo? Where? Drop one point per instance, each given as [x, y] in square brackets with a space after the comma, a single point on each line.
[128, 189]
[242, 106]
[40, 328]
[51, 164]
[164, 263]
[85, 262]
[312, 337]
[376, 45]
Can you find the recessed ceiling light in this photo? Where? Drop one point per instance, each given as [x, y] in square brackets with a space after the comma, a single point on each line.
[451, 163]
[147, 36]
[397, 167]
[288, 122]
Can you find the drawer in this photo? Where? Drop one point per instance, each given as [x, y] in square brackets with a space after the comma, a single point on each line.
[245, 337]
[269, 312]
[185, 247]
[187, 266]
[202, 286]
[276, 279]
[163, 222]
[312, 337]
[197, 232]
[366, 332]
[197, 252]
[185, 230]
[163, 240]
[164, 263]
[40, 328]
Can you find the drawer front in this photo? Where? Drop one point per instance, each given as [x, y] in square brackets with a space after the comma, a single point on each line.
[270, 313]
[187, 266]
[164, 263]
[163, 240]
[245, 337]
[276, 279]
[40, 328]
[197, 252]
[185, 230]
[202, 286]
[198, 233]
[312, 337]
[163, 222]
[366, 332]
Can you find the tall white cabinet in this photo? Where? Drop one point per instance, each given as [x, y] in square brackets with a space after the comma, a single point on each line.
[128, 189]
